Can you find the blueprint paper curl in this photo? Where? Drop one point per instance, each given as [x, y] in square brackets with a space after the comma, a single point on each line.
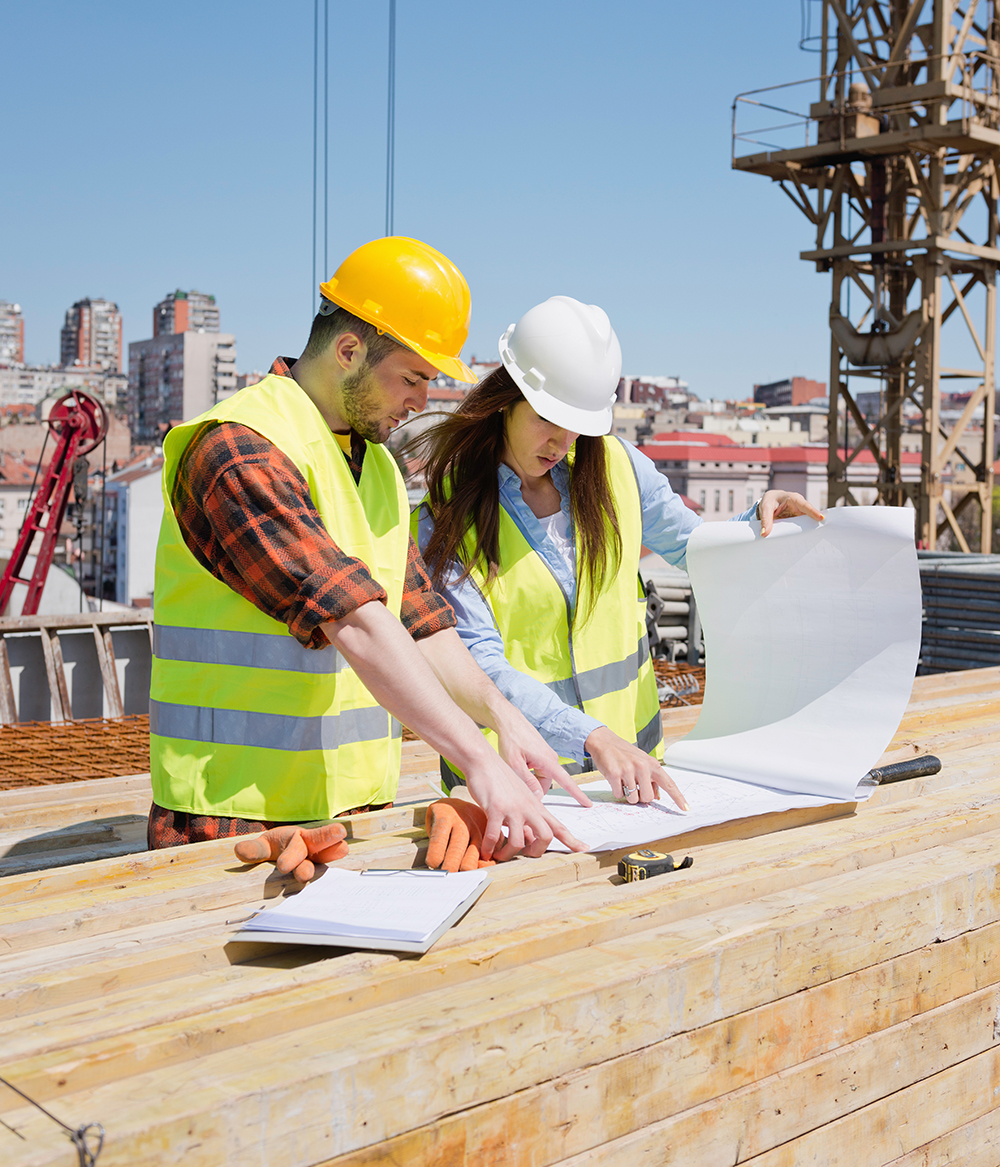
[812, 637]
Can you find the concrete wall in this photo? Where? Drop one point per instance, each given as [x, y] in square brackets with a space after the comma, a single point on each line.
[83, 672]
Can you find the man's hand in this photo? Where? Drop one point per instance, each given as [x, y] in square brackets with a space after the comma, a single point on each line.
[531, 758]
[783, 504]
[455, 829]
[399, 676]
[521, 746]
[508, 803]
[295, 850]
[633, 774]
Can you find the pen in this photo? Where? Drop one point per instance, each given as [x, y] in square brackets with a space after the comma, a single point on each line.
[401, 871]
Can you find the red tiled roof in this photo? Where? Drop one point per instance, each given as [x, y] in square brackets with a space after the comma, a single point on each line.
[691, 452]
[137, 472]
[696, 437]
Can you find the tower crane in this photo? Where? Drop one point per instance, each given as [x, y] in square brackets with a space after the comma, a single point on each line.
[898, 176]
[79, 423]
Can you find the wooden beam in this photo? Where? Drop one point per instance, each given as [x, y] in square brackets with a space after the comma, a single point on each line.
[55, 671]
[746, 1085]
[469, 1045]
[8, 707]
[109, 673]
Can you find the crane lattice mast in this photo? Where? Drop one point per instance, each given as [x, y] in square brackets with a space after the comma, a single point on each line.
[898, 175]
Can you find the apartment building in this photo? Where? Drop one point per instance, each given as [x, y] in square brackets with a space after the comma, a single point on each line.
[174, 377]
[11, 334]
[790, 391]
[185, 312]
[724, 479]
[92, 336]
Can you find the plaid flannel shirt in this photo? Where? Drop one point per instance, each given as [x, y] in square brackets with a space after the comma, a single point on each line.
[246, 515]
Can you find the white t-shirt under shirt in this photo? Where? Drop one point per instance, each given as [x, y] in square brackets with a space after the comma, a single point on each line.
[557, 528]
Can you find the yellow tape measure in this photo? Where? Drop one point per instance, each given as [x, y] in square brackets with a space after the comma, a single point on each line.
[645, 864]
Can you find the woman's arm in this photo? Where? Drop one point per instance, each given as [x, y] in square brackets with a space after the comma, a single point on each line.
[562, 726]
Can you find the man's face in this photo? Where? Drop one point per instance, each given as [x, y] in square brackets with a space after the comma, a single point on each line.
[377, 400]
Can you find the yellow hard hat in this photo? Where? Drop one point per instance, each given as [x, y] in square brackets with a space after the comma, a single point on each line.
[412, 292]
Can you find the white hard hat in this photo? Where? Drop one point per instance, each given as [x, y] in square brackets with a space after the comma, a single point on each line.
[566, 360]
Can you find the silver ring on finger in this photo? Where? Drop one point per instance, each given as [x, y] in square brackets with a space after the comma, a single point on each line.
[629, 790]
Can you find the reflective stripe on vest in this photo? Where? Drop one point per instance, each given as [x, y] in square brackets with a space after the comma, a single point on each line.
[253, 650]
[603, 679]
[269, 731]
[244, 720]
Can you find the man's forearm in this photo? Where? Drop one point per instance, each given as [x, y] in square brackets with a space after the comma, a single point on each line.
[398, 676]
[464, 681]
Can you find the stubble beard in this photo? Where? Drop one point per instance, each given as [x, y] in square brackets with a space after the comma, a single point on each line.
[359, 397]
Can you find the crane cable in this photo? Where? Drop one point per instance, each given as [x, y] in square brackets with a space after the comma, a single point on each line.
[390, 126]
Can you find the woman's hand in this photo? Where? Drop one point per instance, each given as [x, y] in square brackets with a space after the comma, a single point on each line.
[783, 504]
[633, 774]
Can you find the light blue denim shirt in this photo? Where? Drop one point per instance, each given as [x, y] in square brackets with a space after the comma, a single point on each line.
[666, 525]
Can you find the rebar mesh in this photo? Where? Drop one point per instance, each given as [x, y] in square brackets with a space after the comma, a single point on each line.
[687, 681]
[41, 753]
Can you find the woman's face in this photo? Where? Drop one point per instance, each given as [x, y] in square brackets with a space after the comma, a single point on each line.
[533, 445]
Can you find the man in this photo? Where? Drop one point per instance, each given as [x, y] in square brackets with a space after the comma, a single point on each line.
[292, 608]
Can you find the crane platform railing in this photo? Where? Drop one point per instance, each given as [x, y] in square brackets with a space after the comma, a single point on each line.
[801, 117]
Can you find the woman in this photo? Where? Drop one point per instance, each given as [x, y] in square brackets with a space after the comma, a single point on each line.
[533, 527]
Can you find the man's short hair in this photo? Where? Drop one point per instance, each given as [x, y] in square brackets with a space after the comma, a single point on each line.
[326, 329]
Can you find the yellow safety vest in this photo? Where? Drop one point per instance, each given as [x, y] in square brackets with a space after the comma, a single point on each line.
[245, 721]
[600, 663]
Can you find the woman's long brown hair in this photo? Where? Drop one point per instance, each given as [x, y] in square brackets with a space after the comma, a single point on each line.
[463, 453]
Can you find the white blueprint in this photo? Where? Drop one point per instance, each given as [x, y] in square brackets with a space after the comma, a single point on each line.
[811, 637]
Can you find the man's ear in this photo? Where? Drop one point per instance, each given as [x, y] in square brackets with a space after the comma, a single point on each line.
[349, 351]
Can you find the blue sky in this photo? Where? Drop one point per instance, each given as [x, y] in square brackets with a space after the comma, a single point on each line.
[553, 146]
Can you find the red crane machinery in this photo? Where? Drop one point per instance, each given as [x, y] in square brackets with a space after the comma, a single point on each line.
[78, 422]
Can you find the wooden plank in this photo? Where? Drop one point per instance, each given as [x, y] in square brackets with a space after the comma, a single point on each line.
[28, 842]
[974, 1144]
[473, 1044]
[30, 798]
[589, 1005]
[119, 898]
[759, 1123]
[135, 618]
[556, 1118]
[55, 671]
[109, 673]
[555, 990]
[79, 966]
[900, 1123]
[709, 1096]
[8, 707]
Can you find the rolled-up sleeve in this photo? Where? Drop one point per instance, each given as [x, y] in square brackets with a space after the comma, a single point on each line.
[246, 514]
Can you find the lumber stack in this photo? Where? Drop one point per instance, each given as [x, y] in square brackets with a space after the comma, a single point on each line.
[817, 989]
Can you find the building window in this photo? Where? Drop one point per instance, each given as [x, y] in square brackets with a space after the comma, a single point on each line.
[701, 499]
[730, 502]
[749, 499]
[718, 499]
[22, 504]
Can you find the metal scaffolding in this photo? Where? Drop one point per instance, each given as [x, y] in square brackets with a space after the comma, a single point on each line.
[898, 175]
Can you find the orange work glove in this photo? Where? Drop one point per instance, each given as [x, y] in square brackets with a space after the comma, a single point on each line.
[455, 829]
[294, 849]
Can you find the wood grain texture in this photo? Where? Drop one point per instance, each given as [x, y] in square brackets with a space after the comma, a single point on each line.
[815, 989]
